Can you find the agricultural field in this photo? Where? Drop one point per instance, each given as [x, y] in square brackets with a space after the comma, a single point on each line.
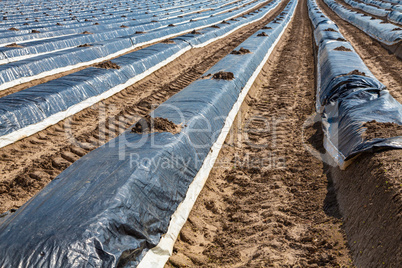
[224, 133]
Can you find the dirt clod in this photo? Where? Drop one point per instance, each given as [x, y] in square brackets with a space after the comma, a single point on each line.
[329, 30]
[342, 48]
[85, 45]
[13, 29]
[14, 45]
[381, 130]
[147, 124]
[262, 34]
[356, 72]
[223, 75]
[107, 65]
[86, 32]
[167, 41]
[241, 51]
[195, 32]
[35, 31]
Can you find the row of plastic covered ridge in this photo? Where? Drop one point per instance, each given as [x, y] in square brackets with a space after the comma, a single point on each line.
[36, 56]
[348, 94]
[31, 110]
[377, 28]
[103, 211]
[385, 10]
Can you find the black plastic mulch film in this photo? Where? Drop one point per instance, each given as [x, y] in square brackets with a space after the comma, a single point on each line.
[111, 206]
[348, 95]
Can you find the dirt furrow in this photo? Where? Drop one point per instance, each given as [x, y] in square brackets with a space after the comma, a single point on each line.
[28, 165]
[384, 65]
[266, 203]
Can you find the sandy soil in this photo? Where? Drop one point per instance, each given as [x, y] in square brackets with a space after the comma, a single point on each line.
[147, 124]
[369, 193]
[266, 203]
[28, 165]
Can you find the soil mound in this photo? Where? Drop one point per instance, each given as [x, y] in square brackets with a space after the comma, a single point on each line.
[342, 48]
[356, 72]
[107, 65]
[148, 124]
[223, 75]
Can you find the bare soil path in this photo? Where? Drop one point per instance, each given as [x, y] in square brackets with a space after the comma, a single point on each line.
[266, 204]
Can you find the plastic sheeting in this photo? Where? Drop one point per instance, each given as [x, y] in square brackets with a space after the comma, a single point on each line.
[394, 1]
[369, 9]
[50, 17]
[108, 208]
[383, 32]
[378, 3]
[108, 24]
[348, 95]
[395, 17]
[392, 6]
[40, 66]
[33, 48]
[27, 108]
